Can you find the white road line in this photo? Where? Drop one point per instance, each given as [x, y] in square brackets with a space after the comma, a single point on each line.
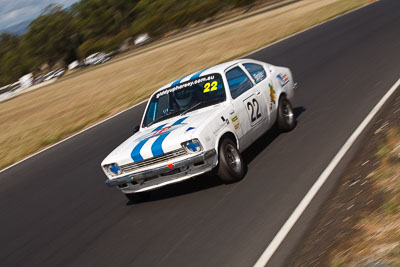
[253, 52]
[280, 236]
[69, 137]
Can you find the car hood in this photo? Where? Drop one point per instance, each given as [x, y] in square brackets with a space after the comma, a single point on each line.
[160, 138]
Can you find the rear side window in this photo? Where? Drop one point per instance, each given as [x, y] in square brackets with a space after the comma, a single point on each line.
[238, 82]
[256, 71]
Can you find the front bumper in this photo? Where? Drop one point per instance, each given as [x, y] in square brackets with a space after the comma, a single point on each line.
[181, 170]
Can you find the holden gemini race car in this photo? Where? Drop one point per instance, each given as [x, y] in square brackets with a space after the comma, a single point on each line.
[202, 123]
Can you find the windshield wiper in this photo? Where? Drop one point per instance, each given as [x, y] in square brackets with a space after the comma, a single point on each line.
[168, 115]
[209, 101]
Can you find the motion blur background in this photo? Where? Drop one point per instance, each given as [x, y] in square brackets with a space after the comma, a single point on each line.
[60, 35]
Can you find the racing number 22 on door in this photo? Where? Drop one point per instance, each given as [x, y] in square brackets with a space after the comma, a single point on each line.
[253, 109]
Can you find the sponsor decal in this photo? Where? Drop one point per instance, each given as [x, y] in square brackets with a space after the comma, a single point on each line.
[162, 130]
[235, 122]
[283, 79]
[235, 118]
[272, 95]
[188, 84]
[259, 76]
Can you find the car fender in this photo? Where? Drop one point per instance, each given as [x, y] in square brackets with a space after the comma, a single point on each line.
[284, 81]
[226, 131]
[283, 85]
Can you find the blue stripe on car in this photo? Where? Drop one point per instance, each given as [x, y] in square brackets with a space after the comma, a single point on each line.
[156, 147]
[178, 81]
[135, 154]
[197, 75]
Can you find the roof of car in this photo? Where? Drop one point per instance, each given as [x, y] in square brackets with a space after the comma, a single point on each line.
[214, 69]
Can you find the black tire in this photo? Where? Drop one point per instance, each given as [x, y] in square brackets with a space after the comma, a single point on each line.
[139, 197]
[286, 120]
[231, 166]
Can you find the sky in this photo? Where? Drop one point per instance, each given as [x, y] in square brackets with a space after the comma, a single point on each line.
[13, 12]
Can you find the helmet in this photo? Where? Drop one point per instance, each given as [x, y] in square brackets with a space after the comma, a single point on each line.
[184, 98]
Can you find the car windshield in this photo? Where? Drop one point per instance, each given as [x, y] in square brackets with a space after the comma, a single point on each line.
[185, 97]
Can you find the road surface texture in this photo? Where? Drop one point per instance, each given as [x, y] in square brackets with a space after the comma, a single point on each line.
[56, 211]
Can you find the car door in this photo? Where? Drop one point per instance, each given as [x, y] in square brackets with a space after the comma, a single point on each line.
[246, 104]
[264, 84]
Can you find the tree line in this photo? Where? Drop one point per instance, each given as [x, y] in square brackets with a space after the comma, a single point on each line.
[60, 36]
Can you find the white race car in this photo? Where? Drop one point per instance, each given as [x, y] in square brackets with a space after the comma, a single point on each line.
[202, 122]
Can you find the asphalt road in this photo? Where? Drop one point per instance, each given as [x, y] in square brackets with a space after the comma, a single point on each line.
[56, 211]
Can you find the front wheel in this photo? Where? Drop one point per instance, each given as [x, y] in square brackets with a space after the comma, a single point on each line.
[231, 167]
[286, 121]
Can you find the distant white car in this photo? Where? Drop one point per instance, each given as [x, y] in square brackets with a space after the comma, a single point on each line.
[26, 81]
[96, 58]
[59, 72]
[202, 122]
[142, 39]
[49, 76]
[73, 65]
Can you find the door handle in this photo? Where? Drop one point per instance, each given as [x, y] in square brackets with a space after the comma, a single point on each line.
[258, 93]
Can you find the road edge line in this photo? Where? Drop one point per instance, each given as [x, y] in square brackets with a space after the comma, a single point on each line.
[135, 105]
[285, 229]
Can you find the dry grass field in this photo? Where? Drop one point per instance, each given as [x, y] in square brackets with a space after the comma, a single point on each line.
[42, 117]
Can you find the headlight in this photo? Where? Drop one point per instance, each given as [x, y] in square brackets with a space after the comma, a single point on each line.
[192, 146]
[113, 169]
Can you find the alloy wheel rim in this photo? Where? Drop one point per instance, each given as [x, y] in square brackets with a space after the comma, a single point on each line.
[288, 112]
[233, 158]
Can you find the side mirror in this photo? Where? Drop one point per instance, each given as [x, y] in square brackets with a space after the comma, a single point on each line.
[136, 129]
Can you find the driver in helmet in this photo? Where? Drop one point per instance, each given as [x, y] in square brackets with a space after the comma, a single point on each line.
[185, 98]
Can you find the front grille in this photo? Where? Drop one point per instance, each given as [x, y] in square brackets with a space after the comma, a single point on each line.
[127, 168]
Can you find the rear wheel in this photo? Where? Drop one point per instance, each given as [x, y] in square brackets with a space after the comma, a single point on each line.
[231, 167]
[286, 121]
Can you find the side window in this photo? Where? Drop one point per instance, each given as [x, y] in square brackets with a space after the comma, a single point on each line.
[256, 71]
[238, 82]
